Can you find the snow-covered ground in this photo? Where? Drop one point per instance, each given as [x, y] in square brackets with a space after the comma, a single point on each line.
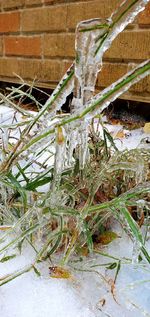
[126, 139]
[87, 294]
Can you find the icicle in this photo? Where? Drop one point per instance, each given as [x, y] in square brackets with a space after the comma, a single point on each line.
[59, 155]
[87, 66]
[140, 172]
[4, 140]
[136, 251]
[72, 141]
[136, 244]
[140, 208]
[57, 194]
[83, 145]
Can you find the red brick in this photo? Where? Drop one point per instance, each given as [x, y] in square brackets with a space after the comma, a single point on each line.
[52, 71]
[61, 45]
[65, 65]
[112, 72]
[9, 4]
[8, 67]
[44, 19]
[144, 17]
[32, 2]
[48, 1]
[143, 85]
[130, 45]
[9, 22]
[43, 71]
[26, 46]
[92, 9]
[148, 80]
[1, 46]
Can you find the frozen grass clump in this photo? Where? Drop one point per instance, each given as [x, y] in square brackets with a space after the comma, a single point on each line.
[60, 182]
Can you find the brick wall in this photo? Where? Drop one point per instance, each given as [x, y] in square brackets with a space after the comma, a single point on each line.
[37, 41]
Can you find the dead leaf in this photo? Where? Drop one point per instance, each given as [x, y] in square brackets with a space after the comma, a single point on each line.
[59, 272]
[100, 196]
[141, 220]
[106, 237]
[5, 228]
[102, 302]
[60, 137]
[120, 134]
[83, 251]
[147, 127]
[112, 289]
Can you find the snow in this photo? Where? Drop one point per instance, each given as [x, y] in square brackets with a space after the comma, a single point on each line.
[33, 296]
[132, 139]
[89, 293]
[82, 296]
[30, 296]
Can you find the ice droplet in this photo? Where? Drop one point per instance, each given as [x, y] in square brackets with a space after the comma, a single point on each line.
[136, 251]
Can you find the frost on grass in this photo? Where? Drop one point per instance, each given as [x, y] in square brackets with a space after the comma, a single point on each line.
[62, 183]
[91, 291]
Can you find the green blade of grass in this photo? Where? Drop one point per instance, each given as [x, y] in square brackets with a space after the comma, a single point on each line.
[131, 223]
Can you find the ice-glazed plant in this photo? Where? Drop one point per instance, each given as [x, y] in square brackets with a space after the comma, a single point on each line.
[54, 149]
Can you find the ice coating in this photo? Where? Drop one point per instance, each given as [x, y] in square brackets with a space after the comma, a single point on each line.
[99, 103]
[136, 251]
[58, 97]
[123, 16]
[136, 244]
[87, 66]
[93, 38]
[102, 100]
